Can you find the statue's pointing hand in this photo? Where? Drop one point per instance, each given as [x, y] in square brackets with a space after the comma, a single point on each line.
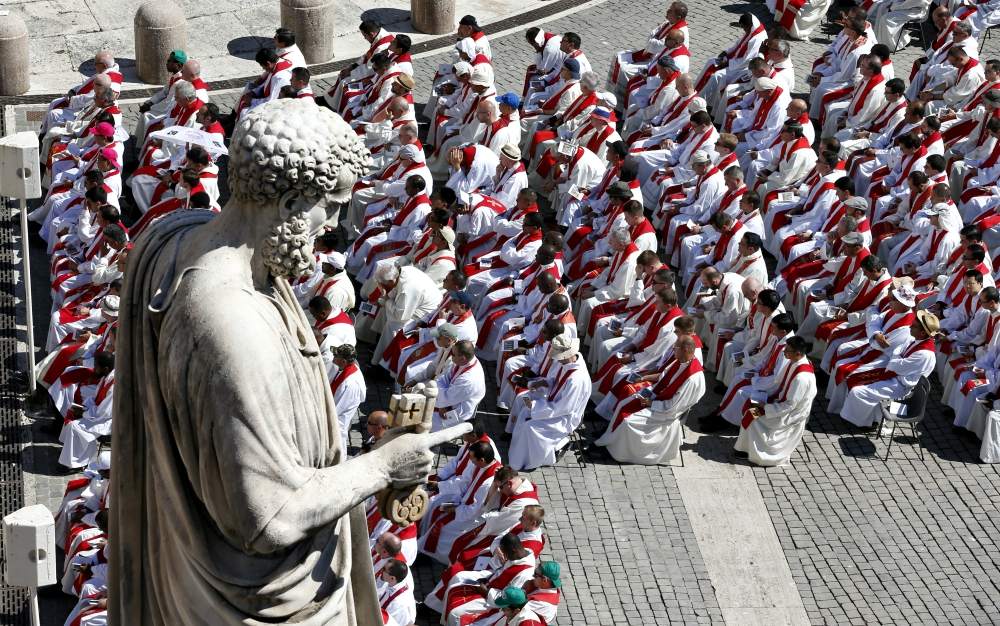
[409, 455]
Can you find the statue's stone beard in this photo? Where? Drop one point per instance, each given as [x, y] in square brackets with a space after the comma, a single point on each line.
[287, 250]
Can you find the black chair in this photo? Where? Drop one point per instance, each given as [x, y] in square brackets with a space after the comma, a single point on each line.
[916, 406]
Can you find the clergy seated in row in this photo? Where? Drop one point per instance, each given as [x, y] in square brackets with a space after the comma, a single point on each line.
[752, 375]
[772, 426]
[88, 420]
[510, 507]
[86, 574]
[647, 425]
[389, 546]
[82, 499]
[870, 386]
[63, 109]
[473, 592]
[744, 346]
[722, 305]
[460, 388]
[541, 421]
[885, 334]
[456, 504]
[541, 594]
[395, 597]
[459, 464]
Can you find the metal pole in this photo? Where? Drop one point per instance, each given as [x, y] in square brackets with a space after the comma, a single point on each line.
[25, 253]
[35, 620]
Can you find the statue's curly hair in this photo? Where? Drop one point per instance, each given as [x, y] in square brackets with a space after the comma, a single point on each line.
[293, 144]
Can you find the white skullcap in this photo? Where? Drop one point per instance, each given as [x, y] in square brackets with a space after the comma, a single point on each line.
[336, 259]
[468, 46]
[410, 151]
[905, 295]
[764, 83]
[564, 347]
[700, 156]
[462, 68]
[102, 462]
[110, 305]
[608, 98]
[480, 78]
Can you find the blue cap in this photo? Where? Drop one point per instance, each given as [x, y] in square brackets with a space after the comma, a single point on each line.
[462, 296]
[510, 100]
[573, 66]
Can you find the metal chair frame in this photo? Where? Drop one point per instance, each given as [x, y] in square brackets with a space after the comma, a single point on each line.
[923, 386]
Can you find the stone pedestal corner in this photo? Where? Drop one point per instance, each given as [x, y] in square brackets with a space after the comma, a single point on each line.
[15, 68]
[433, 17]
[312, 21]
[160, 28]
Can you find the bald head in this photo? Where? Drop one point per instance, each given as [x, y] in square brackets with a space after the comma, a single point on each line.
[105, 58]
[398, 107]
[799, 105]
[751, 287]
[190, 70]
[547, 282]
[102, 81]
[392, 544]
[379, 418]
[559, 303]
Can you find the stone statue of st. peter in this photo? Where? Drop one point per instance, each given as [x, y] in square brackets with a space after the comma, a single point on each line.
[232, 501]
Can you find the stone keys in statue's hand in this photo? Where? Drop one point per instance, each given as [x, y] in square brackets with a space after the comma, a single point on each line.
[408, 455]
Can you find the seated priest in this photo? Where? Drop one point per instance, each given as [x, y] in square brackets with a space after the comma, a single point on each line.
[773, 426]
[647, 429]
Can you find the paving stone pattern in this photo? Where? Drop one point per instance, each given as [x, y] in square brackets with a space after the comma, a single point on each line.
[898, 542]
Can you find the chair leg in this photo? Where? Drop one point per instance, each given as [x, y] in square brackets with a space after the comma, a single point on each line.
[916, 435]
[889, 448]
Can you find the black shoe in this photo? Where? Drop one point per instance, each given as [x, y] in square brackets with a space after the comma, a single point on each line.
[596, 450]
[708, 419]
[423, 610]
[948, 411]
[715, 425]
[720, 388]
[62, 470]
[40, 413]
[52, 428]
[958, 430]
[741, 455]
[506, 436]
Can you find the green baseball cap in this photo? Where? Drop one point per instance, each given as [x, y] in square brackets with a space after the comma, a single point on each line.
[179, 56]
[512, 596]
[551, 570]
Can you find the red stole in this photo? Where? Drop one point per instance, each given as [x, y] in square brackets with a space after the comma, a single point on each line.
[860, 97]
[723, 244]
[342, 376]
[764, 108]
[502, 122]
[579, 105]
[409, 207]
[885, 115]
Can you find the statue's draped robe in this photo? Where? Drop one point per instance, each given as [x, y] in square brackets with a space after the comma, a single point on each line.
[222, 414]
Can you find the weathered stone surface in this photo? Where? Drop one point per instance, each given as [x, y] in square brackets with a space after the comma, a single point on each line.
[434, 17]
[15, 77]
[312, 21]
[160, 27]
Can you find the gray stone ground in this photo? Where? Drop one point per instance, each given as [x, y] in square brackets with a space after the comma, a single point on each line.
[907, 541]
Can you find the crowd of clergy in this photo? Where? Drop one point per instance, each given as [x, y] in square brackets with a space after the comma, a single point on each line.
[590, 247]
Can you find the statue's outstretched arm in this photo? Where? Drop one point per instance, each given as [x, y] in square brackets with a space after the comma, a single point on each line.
[401, 460]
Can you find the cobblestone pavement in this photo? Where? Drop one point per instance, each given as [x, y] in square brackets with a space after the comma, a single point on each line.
[907, 541]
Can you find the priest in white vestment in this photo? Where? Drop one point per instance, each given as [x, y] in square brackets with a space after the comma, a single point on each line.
[552, 408]
[405, 294]
[773, 426]
[648, 428]
[896, 378]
